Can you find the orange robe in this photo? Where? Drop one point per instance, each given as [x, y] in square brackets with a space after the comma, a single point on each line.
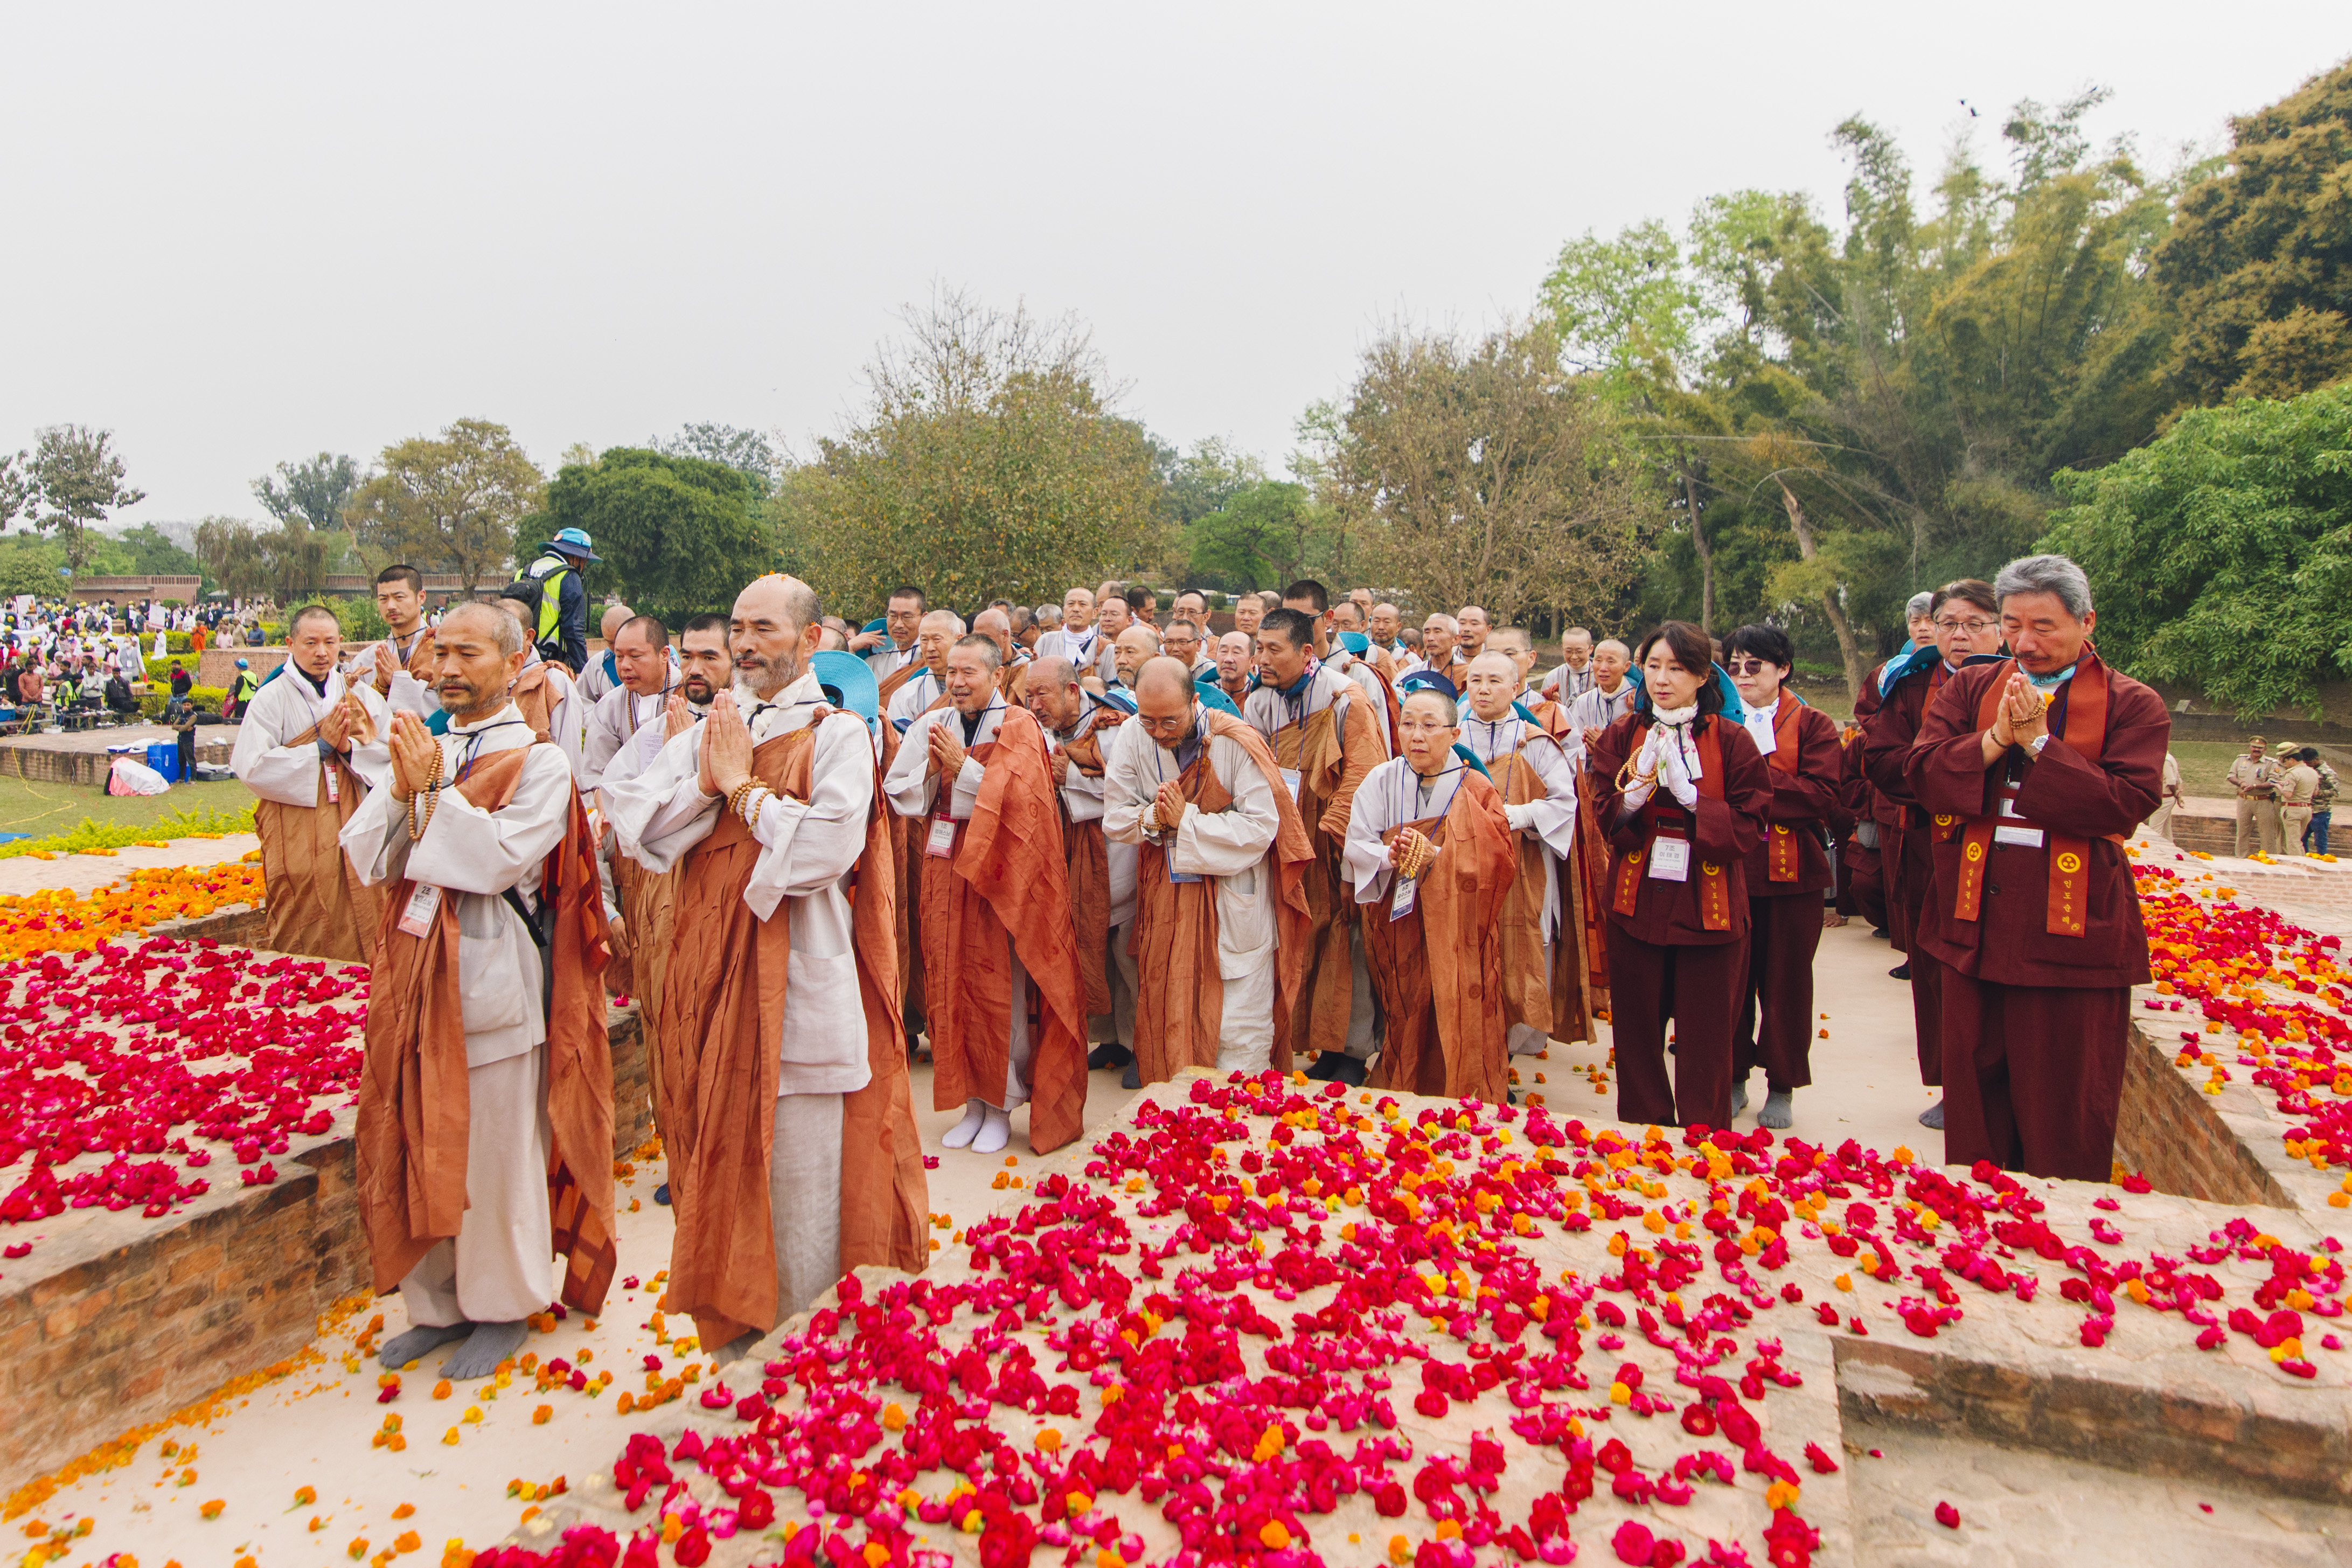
[1180, 1001]
[1550, 998]
[1330, 763]
[411, 1129]
[1087, 855]
[1007, 880]
[313, 903]
[1438, 968]
[721, 1016]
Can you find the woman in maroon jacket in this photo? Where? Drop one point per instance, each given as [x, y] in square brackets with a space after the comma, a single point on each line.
[1787, 871]
[1681, 797]
[1968, 625]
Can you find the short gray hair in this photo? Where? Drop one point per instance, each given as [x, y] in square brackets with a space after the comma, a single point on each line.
[2046, 574]
[986, 647]
[505, 630]
[1922, 604]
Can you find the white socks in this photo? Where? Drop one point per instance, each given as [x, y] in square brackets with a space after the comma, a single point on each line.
[985, 1129]
[961, 1134]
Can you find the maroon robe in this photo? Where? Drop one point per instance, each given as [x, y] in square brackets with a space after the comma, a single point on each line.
[2038, 974]
[1787, 871]
[1678, 949]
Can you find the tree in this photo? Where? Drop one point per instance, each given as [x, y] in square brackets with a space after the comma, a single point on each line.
[746, 450]
[231, 556]
[2259, 261]
[1206, 479]
[153, 553]
[450, 501]
[1489, 475]
[1262, 536]
[2221, 553]
[314, 492]
[678, 535]
[988, 461]
[18, 490]
[79, 481]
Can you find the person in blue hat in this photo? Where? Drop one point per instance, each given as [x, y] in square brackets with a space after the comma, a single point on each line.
[561, 634]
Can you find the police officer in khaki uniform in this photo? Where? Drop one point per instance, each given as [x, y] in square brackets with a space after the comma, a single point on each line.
[2298, 784]
[2254, 775]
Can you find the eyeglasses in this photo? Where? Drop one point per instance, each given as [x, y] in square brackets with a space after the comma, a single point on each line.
[1422, 725]
[1979, 624]
[1748, 666]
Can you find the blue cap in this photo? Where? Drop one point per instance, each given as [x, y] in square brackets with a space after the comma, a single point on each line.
[575, 541]
[243, 666]
[1213, 695]
[879, 624]
[849, 681]
[1428, 681]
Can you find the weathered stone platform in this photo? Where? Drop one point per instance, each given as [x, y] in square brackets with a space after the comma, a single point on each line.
[80, 757]
[115, 1320]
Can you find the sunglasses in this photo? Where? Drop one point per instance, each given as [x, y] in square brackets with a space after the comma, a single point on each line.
[1748, 666]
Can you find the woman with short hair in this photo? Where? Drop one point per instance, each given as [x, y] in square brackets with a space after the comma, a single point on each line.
[1682, 798]
[1787, 871]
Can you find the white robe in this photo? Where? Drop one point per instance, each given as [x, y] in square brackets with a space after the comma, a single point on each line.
[1367, 683]
[283, 709]
[1390, 796]
[807, 850]
[888, 659]
[1597, 709]
[1235, 849]
[912, 789]
[408, 694]
[500, 1268]
[1082, 797]
[921, 692]
[613, 722]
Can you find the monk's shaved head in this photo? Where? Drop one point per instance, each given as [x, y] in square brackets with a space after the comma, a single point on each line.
[944, 620]
[775, 628]
[991, 623]
[1497, 660]
[1051, 670]
[1163, 677]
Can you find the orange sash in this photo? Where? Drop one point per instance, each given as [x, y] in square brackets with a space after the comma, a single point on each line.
[1714, 885]
[2069, 853]
[1780, 850]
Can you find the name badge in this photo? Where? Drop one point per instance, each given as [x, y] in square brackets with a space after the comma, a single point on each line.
[334, 783]
[424, 904]
[1290, 778]
[941, 844]
[1408, 889]
[1670, 860]
[1760, 729]
[1175, 875]
[2023, 838]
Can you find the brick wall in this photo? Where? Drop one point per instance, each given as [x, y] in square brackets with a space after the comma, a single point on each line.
[124, 1335]
[56, 764]
[2171, 1134]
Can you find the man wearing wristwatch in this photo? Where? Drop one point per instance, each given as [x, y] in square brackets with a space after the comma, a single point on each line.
[2034, 769]
[312, 746]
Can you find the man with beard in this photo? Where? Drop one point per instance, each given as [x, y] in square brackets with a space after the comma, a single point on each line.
[1433, 863]
[1078, 725]
[1473, 624]
[1543, 978]
[996, 913]
[1385, 626]
[1220, 919]
[1133, 645]
[1324, 740]
[311, 748]
[704, 669]
[921, 685]
[485, 1133]
[793, 1151]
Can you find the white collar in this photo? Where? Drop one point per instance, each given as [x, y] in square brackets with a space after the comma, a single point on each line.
[500, 716]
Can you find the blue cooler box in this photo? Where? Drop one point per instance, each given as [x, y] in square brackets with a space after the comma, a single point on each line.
[163, 756]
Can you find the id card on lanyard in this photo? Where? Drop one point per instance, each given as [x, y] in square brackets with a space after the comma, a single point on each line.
[1408, 892]
[940, 845]
[1670, 860]
[424, 904]
[2014, 834]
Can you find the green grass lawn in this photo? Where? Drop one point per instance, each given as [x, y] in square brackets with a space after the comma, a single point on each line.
[43, 808]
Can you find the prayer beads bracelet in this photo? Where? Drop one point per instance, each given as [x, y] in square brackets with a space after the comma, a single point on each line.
[1417, 856]
[744, 791]
[431, 794]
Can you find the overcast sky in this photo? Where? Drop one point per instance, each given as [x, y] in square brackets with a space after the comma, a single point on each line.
[241, 233]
